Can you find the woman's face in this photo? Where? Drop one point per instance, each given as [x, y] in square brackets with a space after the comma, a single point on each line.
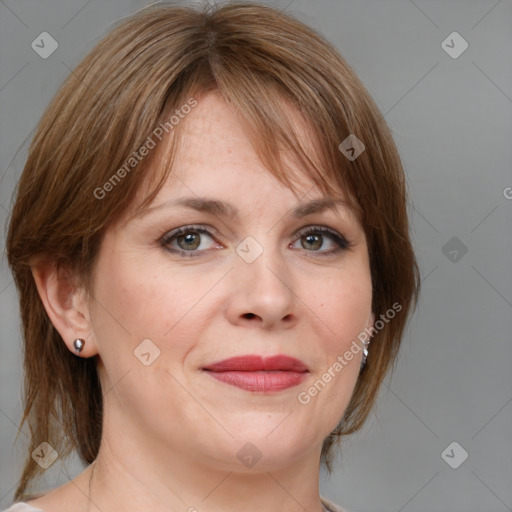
[191, 283]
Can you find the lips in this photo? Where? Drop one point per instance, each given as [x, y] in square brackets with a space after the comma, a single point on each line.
[258, 363]
[258, 373]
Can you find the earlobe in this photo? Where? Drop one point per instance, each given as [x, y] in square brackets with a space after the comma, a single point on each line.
[366, 342]
[371, 321]
[65, 302]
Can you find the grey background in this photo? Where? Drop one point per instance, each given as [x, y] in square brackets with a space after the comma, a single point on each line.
[452, 121]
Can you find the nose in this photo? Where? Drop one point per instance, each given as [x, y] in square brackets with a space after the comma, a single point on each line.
[262, 293]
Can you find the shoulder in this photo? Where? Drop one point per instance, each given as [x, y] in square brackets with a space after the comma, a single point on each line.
[22, 507]
[331, 507]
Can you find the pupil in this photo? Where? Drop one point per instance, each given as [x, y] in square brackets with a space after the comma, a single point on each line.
[191, 241]
[315, 240]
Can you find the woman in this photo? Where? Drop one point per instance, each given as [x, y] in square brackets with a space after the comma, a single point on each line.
[210, 242]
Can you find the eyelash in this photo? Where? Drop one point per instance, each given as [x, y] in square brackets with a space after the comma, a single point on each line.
[167, 238]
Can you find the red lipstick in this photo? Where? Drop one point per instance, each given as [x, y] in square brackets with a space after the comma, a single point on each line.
[258, 373]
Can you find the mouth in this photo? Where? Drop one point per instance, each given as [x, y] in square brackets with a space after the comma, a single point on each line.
[259, 374]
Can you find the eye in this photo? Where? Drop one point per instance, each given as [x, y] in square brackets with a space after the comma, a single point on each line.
[187, 240]
[322, 240]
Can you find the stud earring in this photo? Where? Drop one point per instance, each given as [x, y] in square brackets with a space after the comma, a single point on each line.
[79, 345]
[365, 354]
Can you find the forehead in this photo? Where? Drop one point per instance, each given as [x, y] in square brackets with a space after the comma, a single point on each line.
[216, 128]
[214, 144]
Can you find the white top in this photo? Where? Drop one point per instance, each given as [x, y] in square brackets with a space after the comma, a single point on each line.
[22, 507]
[329, 506]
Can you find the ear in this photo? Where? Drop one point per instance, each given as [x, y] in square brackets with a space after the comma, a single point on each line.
[67, 306]
[371, 321]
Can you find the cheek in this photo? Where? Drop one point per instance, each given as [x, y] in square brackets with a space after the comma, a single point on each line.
[344, 310]
[137, 300]
[136, 312]
[131, 294]
[344, 303]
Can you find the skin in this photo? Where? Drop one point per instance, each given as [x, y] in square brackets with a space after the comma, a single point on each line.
[171, 432]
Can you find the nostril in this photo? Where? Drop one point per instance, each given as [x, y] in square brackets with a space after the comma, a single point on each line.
[249, 315]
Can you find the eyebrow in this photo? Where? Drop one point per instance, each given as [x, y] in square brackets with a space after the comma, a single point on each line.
[223, 209]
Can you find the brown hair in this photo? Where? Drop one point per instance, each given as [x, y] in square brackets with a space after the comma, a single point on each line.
[152, 63]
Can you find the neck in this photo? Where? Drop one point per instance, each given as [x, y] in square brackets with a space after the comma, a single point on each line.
[140, 480]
